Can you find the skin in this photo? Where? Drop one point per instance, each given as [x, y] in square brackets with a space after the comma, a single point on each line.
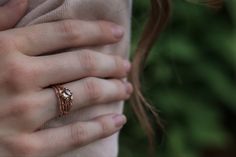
[28, 68]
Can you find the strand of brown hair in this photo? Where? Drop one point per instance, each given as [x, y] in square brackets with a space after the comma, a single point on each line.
[159, 15]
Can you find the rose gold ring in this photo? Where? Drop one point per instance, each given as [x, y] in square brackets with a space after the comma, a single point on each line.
[65, 99]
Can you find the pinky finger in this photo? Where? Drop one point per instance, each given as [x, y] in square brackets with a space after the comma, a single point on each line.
[11, 13]
[56, 141]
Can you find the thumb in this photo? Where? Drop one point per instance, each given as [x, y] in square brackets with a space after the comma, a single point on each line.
[11, 13]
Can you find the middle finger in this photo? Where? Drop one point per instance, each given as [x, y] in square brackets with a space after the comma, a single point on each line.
[70, 66]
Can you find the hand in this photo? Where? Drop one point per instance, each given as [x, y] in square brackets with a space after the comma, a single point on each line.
[27, 69]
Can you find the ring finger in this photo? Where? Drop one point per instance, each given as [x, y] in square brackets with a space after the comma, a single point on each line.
[70, 66]
[86, 92]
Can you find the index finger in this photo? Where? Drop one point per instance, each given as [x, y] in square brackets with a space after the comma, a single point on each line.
[48, 37]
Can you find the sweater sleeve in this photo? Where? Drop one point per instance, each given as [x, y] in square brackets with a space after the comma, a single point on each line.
[118, 11]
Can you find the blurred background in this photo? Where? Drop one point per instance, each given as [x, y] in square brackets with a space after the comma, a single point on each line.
[190, 78]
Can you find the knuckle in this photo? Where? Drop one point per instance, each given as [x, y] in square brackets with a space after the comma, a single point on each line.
[92, 89]
[102, 25]
[18, 73]
[105, 128]
[28, 149]
[105, 32]
[24, 146]
[79, 134]
[88, 61]
[68, 27]
[22, 107]
[15, 73]
[118, 61]
[5, 44]
[122, 91]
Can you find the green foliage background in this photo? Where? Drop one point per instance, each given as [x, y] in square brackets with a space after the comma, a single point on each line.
[190, 78]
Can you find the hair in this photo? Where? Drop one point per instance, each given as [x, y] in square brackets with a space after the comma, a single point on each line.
[158, 18]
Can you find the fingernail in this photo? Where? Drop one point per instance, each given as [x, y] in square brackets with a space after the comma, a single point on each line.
[127, 65]
[119, 120]
[117, 31]
[129, 87]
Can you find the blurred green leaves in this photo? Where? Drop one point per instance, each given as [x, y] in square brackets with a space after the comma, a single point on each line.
[190, 78]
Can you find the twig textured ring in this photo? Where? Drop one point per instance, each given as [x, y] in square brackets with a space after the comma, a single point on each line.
[65, 99]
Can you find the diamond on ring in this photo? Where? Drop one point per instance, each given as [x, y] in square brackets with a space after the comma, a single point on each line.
[65, 99]
[67, 94]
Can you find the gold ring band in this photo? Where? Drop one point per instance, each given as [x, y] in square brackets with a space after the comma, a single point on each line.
[65, 99]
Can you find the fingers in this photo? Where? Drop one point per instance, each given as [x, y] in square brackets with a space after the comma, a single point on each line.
[11, 13]
[48, 37]
[30, 111]
[86, 92]
[69, 66]
[60, 140]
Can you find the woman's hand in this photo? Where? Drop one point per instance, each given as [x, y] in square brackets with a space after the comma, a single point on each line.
[28, 68]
